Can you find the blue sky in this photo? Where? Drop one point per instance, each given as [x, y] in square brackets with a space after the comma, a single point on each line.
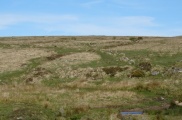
[91, 17]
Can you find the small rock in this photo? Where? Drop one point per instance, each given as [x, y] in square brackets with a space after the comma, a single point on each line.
[125, 59]
[131, 62]
[173, 70]
[160, 98]
[19, 118]
[178, 103]
[154, 73]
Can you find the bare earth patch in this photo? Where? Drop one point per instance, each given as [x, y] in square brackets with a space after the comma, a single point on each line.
[12, 59]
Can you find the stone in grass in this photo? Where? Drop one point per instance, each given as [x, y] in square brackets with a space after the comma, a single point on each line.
[173, 71]
[178, 103]
[137, 73]
[175, 103]
[157, 70]
[155, 73]
[177, 68]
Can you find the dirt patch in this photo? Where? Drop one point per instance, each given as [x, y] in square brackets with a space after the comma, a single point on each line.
[12, 59]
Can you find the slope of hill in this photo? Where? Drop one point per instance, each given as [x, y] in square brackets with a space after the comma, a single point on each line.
[90, 77]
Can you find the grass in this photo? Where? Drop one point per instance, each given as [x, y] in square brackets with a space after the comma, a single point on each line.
[176, 111]
[136, 53]
[66, 50]
[106, 60]
[56, 81]
[156, 58]
[90, 99]
[167, 59]
[9, 77]
[2, 45]
[25, 111]
[12, 76]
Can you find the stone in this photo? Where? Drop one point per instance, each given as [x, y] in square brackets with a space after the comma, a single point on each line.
[155, 73]
[178, 103]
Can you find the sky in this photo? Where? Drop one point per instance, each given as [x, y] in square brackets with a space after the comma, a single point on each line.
[90, 17]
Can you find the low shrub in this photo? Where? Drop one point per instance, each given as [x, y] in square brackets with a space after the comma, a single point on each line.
[137, 73]
[145, 66]
[113, 70]
[135, 39]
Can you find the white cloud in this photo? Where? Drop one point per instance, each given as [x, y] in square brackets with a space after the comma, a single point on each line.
[137, 21]
[135, 4]
[70, 24]
[74, 25]
[125, 2]
[129, 25]
[92, 3]
[12, 19]
[170, 32]
[51, 18]
[7, 20]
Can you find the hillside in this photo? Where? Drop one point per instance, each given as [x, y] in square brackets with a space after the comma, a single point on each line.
[90, 77]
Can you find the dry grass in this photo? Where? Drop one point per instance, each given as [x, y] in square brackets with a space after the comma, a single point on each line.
[84, 76]
[72, 59]
[172, 45]
[13, 59]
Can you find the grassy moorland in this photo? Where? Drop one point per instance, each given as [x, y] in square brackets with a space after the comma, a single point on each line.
[90, 77]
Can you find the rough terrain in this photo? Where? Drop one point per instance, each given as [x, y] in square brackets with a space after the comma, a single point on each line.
[90, 77]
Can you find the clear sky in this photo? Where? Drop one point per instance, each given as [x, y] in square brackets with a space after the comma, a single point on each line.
[91, 17]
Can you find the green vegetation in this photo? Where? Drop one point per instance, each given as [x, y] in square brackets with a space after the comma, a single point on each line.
[2, 45]
[66, 50]
[9, 77]
[25, 111]
[106, 77]
[135, 39]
